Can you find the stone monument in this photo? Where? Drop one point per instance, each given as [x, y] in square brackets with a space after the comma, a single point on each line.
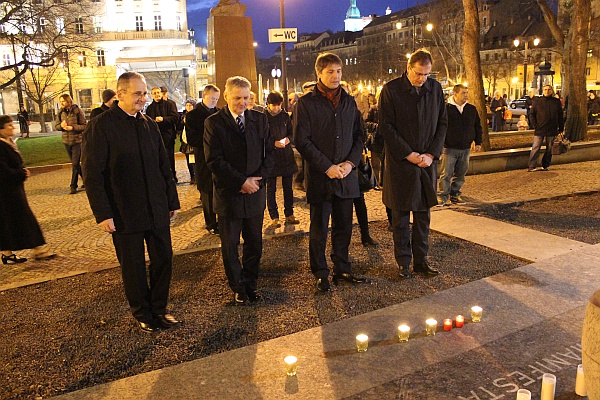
[230, 45]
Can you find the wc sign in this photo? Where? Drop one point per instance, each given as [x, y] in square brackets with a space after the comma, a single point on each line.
[283, 35]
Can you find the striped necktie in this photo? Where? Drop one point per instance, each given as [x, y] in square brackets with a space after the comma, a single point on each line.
[240, 123]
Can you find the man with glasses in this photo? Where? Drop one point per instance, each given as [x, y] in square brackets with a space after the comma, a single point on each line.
[133, 196]
[413, 122]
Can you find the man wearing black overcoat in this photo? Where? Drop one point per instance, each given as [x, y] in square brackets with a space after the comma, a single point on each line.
[133, 196]
[413, 121]
[328, 133]
[194, 129]
[237, 151]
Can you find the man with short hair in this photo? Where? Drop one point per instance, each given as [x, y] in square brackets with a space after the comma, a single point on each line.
[108, 96]
[413, 121]
[252, 103]
[194, 129]
[133, 196]
[164, 113]
[464, 128]
[328, 133]
[239, 155]
[547, 122]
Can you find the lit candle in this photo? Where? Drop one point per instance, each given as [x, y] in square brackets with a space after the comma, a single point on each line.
[580, 388]
[548, 387]
[447, 324]
[523, 394]
[291, 365]
[460, 321]
[403, 332]
[431, 326]
[476, 313]
[282, 141]
[362, 342]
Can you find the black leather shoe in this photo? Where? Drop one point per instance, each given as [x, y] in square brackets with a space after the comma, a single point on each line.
[12, 259]
[241, 299]
[167, 321]
[425, 269]
[323, 285]
[348, 278]
[369, 241]
[254, 296]
[148, 327]
[405, 273]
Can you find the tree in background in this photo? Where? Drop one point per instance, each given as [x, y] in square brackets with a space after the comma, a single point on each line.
[38, 86]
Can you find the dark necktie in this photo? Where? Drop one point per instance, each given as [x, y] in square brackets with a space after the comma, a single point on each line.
[240, 123]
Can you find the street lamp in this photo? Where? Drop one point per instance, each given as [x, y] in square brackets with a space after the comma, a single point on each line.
[517, 42]
[65, 62]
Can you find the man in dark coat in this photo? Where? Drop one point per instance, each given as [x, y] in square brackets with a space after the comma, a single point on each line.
[547, 122]
[413, 122]
[164, 113]
[240, 159]
[194, 129]
[108, 97]
[328, 133]
[133, 196]
[464, 128]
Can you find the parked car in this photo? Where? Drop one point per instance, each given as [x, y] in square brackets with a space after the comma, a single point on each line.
[520, 103]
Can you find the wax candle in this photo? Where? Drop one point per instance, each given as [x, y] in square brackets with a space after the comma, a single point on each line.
[580, 388]
[282, 141]
[291, 365]
[523, 394]
[460, 321]
[447, 324]
[548, 387]
[362, 342]
[431, 327]
[476, 313]
[403, 333]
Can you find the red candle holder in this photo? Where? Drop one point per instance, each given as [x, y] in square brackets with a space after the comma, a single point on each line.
[460, 321]
[447, 324]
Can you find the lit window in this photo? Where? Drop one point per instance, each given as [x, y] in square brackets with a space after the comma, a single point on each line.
[6, 60]
[60, 25]
[101, 58]
[82, 59]
[97, 24]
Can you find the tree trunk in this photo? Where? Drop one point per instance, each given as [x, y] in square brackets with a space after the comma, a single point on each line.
[473, 66]
[576, 124]
[40, 105]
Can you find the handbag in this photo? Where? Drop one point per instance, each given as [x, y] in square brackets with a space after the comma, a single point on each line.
[366, 177]
[560, 145]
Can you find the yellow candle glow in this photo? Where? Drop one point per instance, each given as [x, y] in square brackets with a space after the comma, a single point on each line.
[291, 365]
[580, 388]
[362, 342]
[476, 313]
[431, 327]
[523, 394]
[403, 332]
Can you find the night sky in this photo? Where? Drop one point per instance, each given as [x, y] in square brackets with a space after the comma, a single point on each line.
[306, 15]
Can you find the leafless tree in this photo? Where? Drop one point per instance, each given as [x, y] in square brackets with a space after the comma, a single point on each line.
[37, 86]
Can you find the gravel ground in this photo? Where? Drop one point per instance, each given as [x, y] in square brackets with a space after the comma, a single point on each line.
[575, 217]
[72, 333]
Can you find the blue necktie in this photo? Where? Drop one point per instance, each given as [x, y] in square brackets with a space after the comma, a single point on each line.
[240, 123]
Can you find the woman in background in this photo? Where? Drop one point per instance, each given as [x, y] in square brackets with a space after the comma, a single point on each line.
[19, 228]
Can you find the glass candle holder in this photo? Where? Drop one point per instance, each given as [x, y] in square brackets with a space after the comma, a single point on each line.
[362, 343]
[548, 387]
[403, 333]
[580, 388]
[447, 324]
[523, 394]
[476, 313]
[460, 321]
[431, 327]
[291, 365]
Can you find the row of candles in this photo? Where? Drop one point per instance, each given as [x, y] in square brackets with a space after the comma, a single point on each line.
[549, 386]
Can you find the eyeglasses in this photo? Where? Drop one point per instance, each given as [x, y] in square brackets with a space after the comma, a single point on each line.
[418, 73]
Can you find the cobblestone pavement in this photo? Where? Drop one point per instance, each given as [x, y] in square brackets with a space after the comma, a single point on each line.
[71, 231]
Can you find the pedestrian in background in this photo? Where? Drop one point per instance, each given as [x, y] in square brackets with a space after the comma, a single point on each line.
[498, 106]
[328, 132]
[164, 113]
[19, 228]
[108, 97]
[413, 120]
[593, 108]
[464, 128]
[71, 121]
[24, 122]
[185, 148]
[239, 154]
[280, 133]
[133, 197]
[547, 121]
[194, 129]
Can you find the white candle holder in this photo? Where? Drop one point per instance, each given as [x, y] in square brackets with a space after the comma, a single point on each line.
[580, 388]
[523, 394]
[362, 343]
[548, 387]
[431, 327]
[291, 365]
[403, 333]
[476, 313]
